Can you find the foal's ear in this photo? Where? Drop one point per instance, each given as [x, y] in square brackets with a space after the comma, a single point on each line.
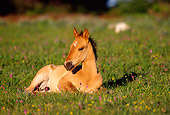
[75, 33]
[86, 34]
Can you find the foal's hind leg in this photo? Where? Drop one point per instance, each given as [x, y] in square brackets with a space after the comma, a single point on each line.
[41, 78]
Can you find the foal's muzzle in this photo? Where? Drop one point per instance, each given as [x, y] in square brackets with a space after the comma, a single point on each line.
[68, 65]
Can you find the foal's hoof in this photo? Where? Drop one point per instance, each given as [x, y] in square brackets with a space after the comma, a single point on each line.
[26, 90]
[30, 92]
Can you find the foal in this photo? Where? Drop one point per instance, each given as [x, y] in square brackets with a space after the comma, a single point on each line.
[71, 76]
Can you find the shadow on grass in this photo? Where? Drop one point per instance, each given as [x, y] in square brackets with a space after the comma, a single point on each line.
[120, 82]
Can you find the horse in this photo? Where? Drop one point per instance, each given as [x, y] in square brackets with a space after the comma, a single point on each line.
[79, 72]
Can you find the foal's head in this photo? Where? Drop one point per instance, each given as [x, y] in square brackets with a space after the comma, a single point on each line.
[78, 49]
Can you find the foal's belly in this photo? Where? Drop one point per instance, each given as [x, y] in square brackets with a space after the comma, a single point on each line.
[56, 75]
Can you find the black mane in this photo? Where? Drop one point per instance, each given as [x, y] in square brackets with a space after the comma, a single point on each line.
[93, 43]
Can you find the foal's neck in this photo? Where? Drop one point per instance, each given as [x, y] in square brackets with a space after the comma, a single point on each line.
[89, 65]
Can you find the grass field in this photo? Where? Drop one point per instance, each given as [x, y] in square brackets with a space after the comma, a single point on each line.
[141, 55]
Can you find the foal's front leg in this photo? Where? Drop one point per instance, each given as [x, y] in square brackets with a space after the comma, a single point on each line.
[41, 77]
[65, 85]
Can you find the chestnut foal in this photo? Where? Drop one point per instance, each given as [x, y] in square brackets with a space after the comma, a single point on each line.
[71, 76]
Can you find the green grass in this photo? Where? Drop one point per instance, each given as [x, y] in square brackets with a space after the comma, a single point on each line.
[27, 46]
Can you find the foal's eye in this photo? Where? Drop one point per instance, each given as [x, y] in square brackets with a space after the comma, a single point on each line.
[80, 49]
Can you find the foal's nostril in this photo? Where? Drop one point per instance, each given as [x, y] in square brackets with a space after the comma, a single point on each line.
[69, 64]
